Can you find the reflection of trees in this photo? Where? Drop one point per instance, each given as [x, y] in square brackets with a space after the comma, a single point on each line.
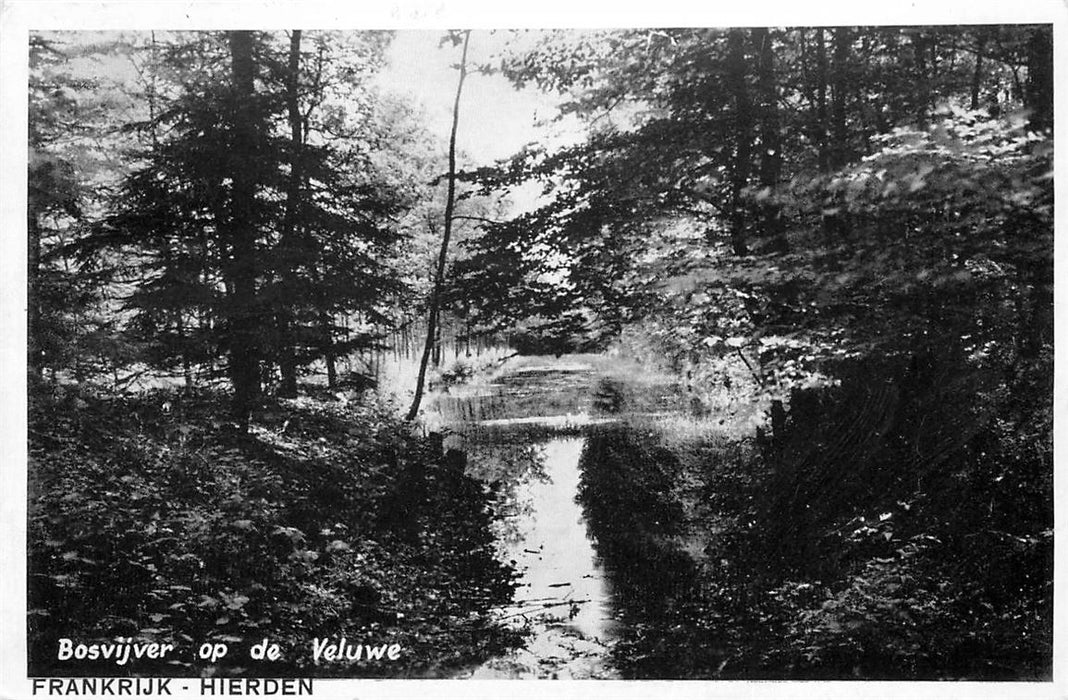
[506, 467]
[629, 499]
[523, 395]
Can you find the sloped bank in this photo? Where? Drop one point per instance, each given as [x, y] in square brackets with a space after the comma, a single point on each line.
[150, 520]
[899, 526]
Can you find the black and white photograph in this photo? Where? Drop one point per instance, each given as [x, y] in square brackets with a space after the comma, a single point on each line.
[656, 351]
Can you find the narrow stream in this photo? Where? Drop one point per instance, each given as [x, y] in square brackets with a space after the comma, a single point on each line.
[564, 595]
[525, 433]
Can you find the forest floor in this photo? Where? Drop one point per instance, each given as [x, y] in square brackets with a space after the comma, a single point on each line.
[150, 518]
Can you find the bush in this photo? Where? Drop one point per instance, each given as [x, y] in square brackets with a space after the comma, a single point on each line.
[150, 519]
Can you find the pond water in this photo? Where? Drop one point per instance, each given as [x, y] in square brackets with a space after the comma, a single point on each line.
[564, 596]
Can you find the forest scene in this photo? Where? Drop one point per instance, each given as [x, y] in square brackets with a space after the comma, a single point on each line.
[700, 353]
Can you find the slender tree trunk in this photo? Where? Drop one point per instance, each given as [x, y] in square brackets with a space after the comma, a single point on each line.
[920, 50]
[977, 74]
[187, 365]
[435, 356]
[770, 138]
[179, 321]
[823, 154]
[243, 340]
[450, 203]
[840, 152]
[1039, 90]
[743, 134]
[329, 352]
[1040, 278]
[287, 343]
[33, 290]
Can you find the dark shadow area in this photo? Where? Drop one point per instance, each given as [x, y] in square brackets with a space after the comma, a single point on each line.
[629, 496]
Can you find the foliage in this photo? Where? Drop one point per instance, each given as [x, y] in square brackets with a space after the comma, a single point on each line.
[896, 527]
[314, 254]
[733, 135]
[459, 373]
[931, 556]
[312, 526]
[71, 324]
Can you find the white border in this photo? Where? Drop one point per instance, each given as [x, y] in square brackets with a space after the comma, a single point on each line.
[17, 17]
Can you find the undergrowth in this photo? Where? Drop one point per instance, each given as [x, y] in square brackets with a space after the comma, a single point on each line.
[150, 518]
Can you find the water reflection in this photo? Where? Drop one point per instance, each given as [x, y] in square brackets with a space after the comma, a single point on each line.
[528, 392]
[595, 538]
[509, 469]
[563, 598]
[552, 548]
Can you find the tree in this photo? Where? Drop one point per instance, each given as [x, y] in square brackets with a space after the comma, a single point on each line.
[259, 217]
[53, 192]
[333, 259]
[728, 134]
[770, 138]
[450, 204]
[70, 168]
[286, 350]
[238, 233]
[1039, 96]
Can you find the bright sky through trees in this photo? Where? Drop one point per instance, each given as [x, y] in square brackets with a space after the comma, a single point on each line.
[497, 119]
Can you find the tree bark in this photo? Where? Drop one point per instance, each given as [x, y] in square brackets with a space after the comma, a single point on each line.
[840, 152]
[770, 138]
[823, 155]
[243, 340]
[439, 276]
[329, 353]
[743, 135]
[920, 49]
[286, 336]
[1039, 88]
[33, 289]
[977, 73]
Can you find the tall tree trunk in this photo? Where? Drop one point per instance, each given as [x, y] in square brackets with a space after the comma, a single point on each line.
[1040, 278]
[435, 356]
[243, 346]
[329, 352]
[1039, 90]
[920, 49]
[187, 365]
[439, 277]
[286, 336]
[33, 289]
[823, 155]
[977, 73]
[743, 135]
[840, 87]
[770, 138]
[838, 152]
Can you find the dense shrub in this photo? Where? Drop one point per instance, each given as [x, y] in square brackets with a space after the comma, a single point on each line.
[150, 518]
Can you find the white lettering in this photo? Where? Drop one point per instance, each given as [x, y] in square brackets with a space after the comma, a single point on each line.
[318, 647]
